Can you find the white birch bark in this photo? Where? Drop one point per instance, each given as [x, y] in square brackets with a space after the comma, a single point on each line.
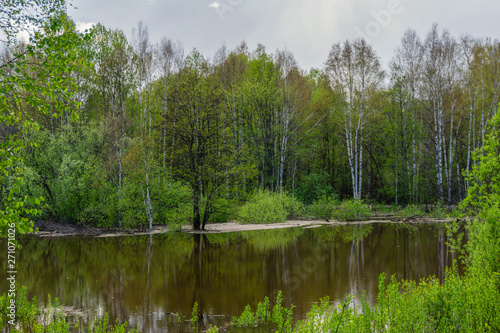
[354, 72]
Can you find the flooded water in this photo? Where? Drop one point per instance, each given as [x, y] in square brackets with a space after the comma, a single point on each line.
[147, 279]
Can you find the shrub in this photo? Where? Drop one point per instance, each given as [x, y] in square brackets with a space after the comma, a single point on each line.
[313, 187]
[269, 207]
[280, 317]
[213, 329]
[410, 210]
[247, 318]
[223, 210]
[323, 208]
[352, 210]
[194, 314]
[293, 207]
[174, 206]
[438, 212]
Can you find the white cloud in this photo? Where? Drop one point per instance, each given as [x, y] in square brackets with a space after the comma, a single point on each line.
[214, 5]
[23, 36]
[82, 26]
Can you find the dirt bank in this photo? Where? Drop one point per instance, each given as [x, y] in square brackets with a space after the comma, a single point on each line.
[53, 229]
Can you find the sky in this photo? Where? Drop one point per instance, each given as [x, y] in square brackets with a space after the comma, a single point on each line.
[306, 28]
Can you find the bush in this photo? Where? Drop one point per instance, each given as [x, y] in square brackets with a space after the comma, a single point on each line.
[352, 210]
[313, 187]
[174, 206]
[438, 212]
[269, 207]
[247, 318]
[323, 208]
[280, 317]
[222, 210]
[410, 210]
[293, 207]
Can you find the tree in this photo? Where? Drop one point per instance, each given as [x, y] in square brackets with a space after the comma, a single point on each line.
[259, 103]
[37, 80]
[197, 154]
[484, 191]
[110, 83]
[354, 72]
[169, 56]
[27, 16]
[406, 68]
[144, 63]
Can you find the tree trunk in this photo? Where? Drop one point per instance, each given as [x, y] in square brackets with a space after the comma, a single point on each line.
[196, 208]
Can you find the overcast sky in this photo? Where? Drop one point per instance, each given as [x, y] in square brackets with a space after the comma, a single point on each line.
[306, 28]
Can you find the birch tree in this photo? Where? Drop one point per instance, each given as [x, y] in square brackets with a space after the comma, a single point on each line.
[290, 109]
[355, 73]
[170, 57]
[112, 80]
[441, 91]
[144, 62]
[468, 45]
[406, 67]
[434, 91]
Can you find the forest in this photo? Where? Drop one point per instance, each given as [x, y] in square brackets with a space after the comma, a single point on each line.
[135, 133]
[101, 130]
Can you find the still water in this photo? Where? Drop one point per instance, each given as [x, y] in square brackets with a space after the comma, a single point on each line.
[142, 279]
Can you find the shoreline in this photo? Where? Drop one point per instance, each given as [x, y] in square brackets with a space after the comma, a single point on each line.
[54, 229]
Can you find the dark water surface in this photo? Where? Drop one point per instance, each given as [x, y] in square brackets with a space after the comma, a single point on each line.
[143, 278]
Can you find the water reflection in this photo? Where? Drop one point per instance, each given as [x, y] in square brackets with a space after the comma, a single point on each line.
[146, 279]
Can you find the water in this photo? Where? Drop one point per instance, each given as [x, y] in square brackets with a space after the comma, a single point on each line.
[147, 279]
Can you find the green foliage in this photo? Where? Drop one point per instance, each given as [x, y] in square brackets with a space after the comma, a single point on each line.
[51, 318]
[263, 313]
[323, 208]
[484, 190]
[213, 329]
[66, 171]
[279, 317]
[352, 210]
[313, 187]
[330, 318]
[484, 242]
[27, 84]
[194, 314]
[268, 207]
[466, 303]
[438, 212]
[221, 210]
[174, 206]
[247, 318]
[382, 208]
[282, 316]
[26, 312]
[410, 210]
[17, 14]
[293, 207]
[101, 325]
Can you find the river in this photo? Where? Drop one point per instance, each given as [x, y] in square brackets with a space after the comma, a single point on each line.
[147, 279]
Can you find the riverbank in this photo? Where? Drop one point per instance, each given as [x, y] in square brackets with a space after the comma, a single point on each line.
[54, 229]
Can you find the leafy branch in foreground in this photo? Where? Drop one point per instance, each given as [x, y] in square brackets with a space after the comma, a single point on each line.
[37, 81]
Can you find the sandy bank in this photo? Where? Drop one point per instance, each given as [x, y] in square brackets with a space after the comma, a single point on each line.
[52, 229]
